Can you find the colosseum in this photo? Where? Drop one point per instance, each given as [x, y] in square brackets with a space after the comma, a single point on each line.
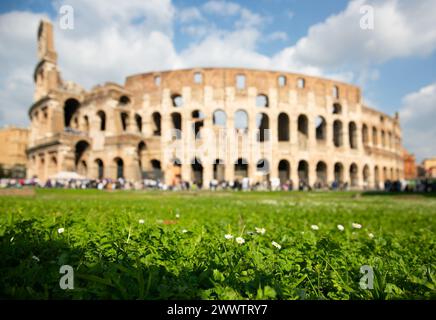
[318, 131]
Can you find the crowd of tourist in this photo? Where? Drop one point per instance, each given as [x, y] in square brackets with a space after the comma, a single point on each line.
[420, 185]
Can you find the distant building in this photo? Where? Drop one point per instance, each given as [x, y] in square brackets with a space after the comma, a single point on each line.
[410, 168]
[13, 152]
[430, 167]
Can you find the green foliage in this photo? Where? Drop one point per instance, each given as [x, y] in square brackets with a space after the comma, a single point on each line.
[188, 257]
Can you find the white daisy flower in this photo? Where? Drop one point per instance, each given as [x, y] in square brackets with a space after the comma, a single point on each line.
[340, 227]
[185, 231]
[177, 216]
[275, 244]
[356, 225]
[61, 230]
[314, 227]
[260, 230]
[240, 240]
[141, 221]
[371, 235]
[35, 258]
[228, 236]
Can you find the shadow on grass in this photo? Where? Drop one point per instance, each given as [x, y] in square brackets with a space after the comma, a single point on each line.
[400, 194]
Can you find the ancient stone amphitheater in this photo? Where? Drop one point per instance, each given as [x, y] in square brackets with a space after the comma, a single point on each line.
[317, 130]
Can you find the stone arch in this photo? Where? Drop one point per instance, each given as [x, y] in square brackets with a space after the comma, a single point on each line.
[303, 131]
[124, 116]
[100, 168]
[365, 135]
[70, 107]
[198, 122]
[321, 174]
[157, 119]
[262, 124]
[102, 117]
[219, 118]
[119, 165]
[263, 169]
[241, 120]
[262, 101]
[138, 121]
[337, 133]
[374, 136]
[177, 100]
[197, 172]
[283, 127]
[376, 177]
[352, 135]
[320, 128]
[354, 175]
[337, 108]
[80, 150]
[339, 173]
[219, 170]
[241, 168]
[366, 176]
[284, 171]
[176, 121]
[303, 172]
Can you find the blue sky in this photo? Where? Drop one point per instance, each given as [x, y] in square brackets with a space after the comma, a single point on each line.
[394, 64]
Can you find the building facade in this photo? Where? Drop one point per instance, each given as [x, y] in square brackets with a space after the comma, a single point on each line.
[13, 158]
[430, 167]
[317, 130]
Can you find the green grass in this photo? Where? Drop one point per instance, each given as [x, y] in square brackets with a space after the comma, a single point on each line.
[116, 257]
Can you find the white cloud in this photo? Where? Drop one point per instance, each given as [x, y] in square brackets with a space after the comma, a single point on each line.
[277, 36]
[222, 8]
[418, 118]
[191, 14]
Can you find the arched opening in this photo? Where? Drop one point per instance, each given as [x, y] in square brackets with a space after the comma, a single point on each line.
[100, 168]
[241, 121]
[383, 139]
[52, 166]
[389, 140]
[366, 174]
[262, 123]
[321, 128]
[262, 101]
[337, 133]
[176, 120]
[374, 136]
[70, 108]
[365, 135]
[85, 123]
[303, 131]
[142, 148]
[156, 123]
[220, 118]
[102, 117]
[80, 149]
[335, 92]
[282, 81]
[241, 169]
[124, 120]
[138, 121]
[301, 83]
[177, 100]
[120, 167]
[303, 173]
[198, 119]
[337, 108]
[354, 179]
[284, 171]
[124, 100]
[283, 127]
[156, 170]
[219, 170]
[197, 173]
[385, 174]
[263, 169]
[82, 168]
[376, 177]
[321, 175]
[339, 173]
[352, 135]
